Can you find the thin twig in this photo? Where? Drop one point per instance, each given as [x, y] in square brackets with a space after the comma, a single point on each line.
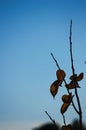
[73, 71]
[51, 119]
[57, 65]
[55, 61]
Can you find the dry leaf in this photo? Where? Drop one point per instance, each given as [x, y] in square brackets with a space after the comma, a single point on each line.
[72, 85]
[54, 87]
[73, 77]
[80, 77]
[64, 107]
[77, 78]
[67, 127]
[60, 75]
[67, 98]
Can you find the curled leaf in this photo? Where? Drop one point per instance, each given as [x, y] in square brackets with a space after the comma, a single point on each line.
[67, 98]
[80, 77]
[64, 127]
[60, 74]
[77, 78]
[72, 85]
[54, 87]
[67, 127]
[73, 77]
[64, 107]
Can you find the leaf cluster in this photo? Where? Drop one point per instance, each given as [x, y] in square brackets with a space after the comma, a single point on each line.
[67, 99]
[73, 84]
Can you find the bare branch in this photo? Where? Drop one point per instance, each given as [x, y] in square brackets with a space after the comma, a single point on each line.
[52, 119]
[73, 71]
[55, 61]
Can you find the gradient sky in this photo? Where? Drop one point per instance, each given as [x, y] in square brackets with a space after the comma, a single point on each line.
[29, 31]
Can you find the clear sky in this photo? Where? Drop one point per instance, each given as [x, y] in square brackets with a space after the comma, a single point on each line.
[29, 31]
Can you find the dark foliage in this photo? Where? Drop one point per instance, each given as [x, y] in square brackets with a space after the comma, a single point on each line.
[50, 126]
[76, 125]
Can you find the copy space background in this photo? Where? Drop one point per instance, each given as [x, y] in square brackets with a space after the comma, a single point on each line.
[29, 31]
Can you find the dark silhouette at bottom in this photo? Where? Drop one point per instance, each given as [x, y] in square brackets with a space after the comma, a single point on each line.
[48, 126]
[51, 126]
[76, 125]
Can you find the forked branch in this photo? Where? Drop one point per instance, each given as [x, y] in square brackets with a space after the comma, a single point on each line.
[64, 82]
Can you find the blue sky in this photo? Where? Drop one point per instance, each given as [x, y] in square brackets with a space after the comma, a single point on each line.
[29, 32]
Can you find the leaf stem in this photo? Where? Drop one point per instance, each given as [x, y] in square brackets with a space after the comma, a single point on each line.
[64, 119]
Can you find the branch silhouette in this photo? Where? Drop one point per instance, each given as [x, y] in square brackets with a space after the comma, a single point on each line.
[67, 99]
[73, 72]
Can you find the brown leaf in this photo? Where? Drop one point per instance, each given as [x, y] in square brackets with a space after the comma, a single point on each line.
[72, 85]
[64, 107]
[67, 98]
[54, 87]
[67, 127]
[73, 77]
[60, 75]
[77, 78]
[80, 77]
[64, 127]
